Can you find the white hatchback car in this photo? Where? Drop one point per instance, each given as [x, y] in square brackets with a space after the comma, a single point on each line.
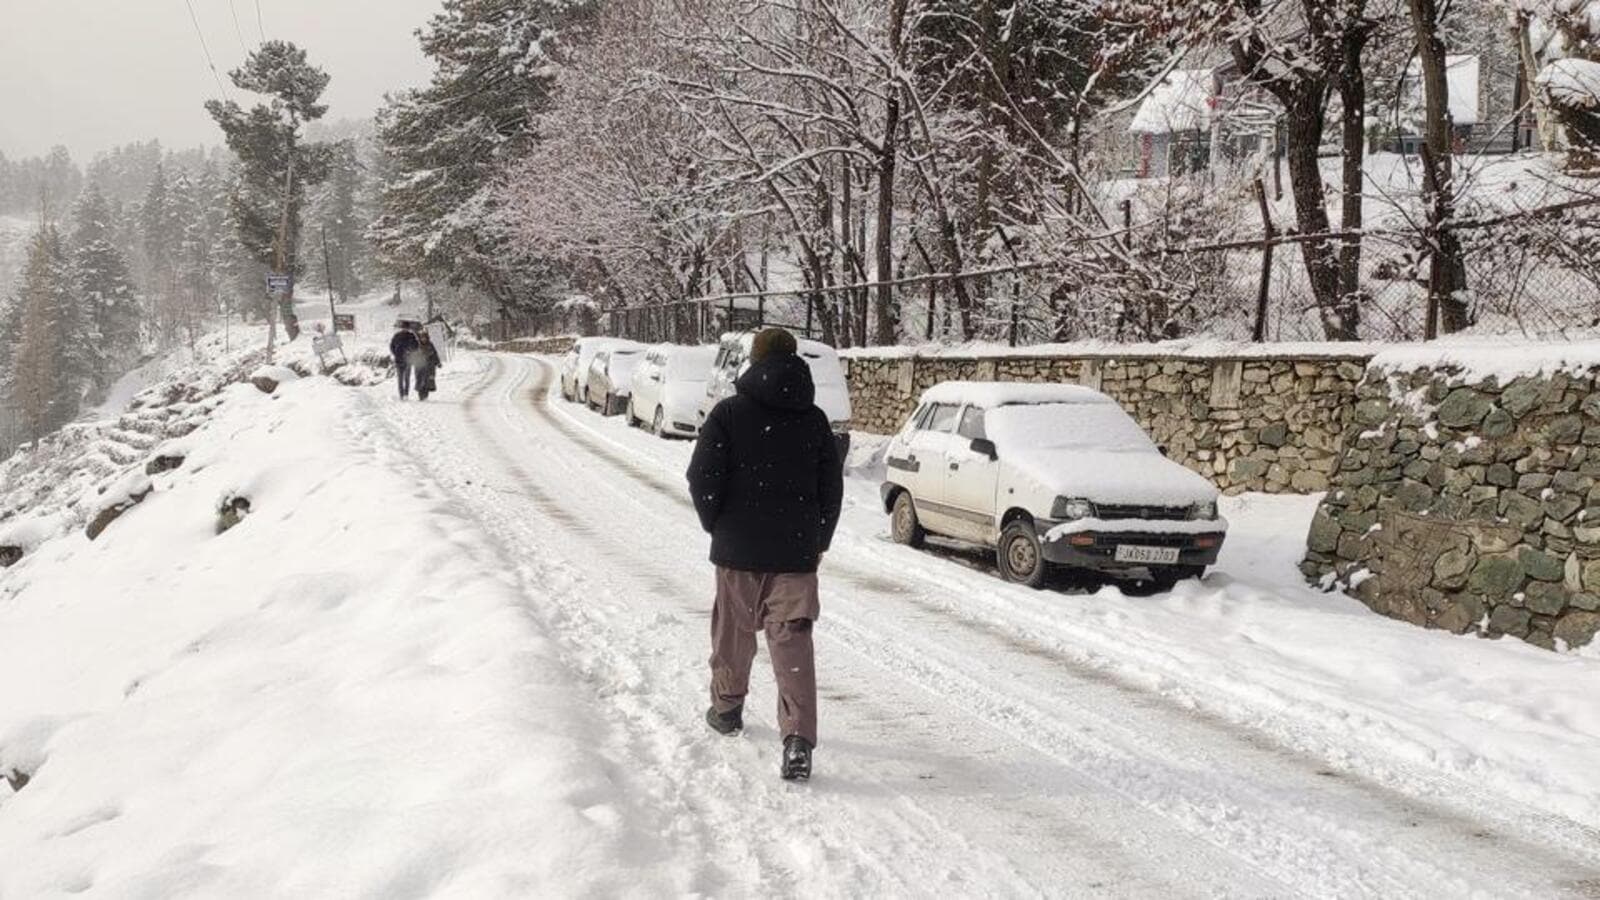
[575, 366]
[668, 387]
[827, 373]
[610, 383]
[1048, 475]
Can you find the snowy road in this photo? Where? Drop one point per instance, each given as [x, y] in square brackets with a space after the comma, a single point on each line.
[961, 750]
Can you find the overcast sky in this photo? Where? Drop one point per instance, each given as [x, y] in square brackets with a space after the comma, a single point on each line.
[92, 74]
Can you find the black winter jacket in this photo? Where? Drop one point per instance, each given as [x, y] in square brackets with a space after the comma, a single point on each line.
[766, 477]
[401, 345]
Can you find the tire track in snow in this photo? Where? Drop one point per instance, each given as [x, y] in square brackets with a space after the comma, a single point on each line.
[1431, 842]
[1072, 832]
[680, 785]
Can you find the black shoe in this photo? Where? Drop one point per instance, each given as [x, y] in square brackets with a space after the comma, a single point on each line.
[796, 758]
[729, 723]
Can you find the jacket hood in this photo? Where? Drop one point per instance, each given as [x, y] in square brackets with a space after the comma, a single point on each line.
[780, 382]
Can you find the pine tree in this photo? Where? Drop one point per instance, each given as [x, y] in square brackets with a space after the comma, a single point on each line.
[339, 216]
[104, 285]
[50, 368]
[157, 239]
[275, 164]
[448, 142]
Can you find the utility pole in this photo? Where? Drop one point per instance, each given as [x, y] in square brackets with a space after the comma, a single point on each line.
[327, 271]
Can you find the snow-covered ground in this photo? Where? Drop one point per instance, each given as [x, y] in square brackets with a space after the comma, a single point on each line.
[458, 649]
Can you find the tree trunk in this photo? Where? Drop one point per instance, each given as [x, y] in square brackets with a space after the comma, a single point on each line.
[1305, 124]
[1353, 97]
[1447, 277]
[1544, 125]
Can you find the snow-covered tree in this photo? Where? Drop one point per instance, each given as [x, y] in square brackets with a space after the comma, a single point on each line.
[275, 165]
[494, 63]
[104, 285]
[52, 357]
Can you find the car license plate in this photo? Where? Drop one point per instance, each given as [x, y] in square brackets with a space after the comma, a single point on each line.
[1129, 553]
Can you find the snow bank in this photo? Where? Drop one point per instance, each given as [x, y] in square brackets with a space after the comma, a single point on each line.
[1478, 358]
[1186, 348]
[343, 693]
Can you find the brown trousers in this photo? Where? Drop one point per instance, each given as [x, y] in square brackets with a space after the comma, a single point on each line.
[784, 606]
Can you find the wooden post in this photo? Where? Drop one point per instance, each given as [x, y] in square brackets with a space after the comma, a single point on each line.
[327, 272]
[1268, 240]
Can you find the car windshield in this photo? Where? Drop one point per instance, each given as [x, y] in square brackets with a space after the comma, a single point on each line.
[1064, 426]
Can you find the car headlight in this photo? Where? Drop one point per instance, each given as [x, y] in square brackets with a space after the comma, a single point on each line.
[1070, 508]
[1203, 511]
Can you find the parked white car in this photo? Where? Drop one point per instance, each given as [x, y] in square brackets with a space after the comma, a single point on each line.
[827, 373]
[1048, 475]
[610, 382]
[668, 387]
[575, 366]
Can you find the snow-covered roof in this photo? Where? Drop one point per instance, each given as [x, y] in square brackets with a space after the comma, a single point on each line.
[1181, 102]
[991, 394]
[1572, 83]
[1462, 73]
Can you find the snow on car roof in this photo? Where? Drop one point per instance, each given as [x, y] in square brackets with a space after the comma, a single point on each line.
[991, 394]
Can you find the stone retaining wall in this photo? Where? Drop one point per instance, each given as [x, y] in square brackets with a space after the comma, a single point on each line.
[1258, 423]
[1470, 506]
[554, 346]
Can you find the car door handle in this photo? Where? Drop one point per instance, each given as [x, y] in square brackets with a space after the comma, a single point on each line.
[955, 466]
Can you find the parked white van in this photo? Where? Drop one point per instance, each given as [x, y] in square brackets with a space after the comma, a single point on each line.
[668, 387]
[833, 395]
[1048, 475]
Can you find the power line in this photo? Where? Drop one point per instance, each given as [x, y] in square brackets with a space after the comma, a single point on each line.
[210, 63]
[237, 31]
[260, 28]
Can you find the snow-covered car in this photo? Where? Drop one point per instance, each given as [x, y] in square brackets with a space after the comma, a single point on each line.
[668, 387]
[827, 373]
[575, 366]
[1048, 475]
[610, 381]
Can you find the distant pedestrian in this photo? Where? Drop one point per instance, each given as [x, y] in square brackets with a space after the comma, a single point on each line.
[402, 346]
[425, 360]
[767, 484]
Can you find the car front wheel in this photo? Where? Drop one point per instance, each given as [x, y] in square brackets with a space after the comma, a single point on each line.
[657, 423]
[1020, 556]
[903, 523]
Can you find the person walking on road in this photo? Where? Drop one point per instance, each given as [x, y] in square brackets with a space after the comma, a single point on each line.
[767, 484]
[402, 347]
[425, 360]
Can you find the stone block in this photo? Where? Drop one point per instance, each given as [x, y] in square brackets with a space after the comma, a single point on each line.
[1545, 599]
[1463, 408]
[1325, 533]
[1577, 629]
[1509, 620]
[1450, 571]
[1496, 576]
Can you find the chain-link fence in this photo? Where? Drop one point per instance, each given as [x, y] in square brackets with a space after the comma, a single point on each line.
[1533, 273]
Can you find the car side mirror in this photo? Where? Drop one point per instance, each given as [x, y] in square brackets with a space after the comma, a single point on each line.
[985, 447]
